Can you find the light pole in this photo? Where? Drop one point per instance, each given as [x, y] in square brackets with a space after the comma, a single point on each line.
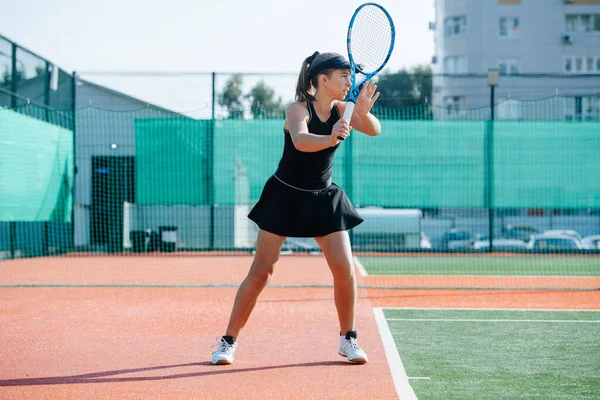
[493, 81]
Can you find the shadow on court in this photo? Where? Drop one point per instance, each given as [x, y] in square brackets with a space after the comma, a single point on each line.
[112, 376]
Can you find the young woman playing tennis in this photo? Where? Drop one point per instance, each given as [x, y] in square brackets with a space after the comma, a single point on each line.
[300, 200]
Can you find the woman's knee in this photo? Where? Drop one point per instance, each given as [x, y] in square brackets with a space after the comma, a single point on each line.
[343, 271]
[261, 272]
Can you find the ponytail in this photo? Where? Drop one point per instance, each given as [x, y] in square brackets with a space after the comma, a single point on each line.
[304, 88]
[312, 67]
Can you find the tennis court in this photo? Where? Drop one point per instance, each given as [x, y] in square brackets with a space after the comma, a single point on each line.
[142, 327]
[493, 353]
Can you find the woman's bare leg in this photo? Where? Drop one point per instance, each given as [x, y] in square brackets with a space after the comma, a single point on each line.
[268, 247]
[338, 253]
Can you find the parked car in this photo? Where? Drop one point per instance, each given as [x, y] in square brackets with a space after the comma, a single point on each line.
[500, 244]
[554, 242]
[522, 232]
[425, 241]
[591, 242]
[459, 239]
[568, 232]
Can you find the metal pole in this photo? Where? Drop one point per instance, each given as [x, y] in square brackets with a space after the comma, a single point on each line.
[47, 77]
[13, 83]
[490, 177]
[74, 130]
[12, 234]
[210, 167]
[493, 81]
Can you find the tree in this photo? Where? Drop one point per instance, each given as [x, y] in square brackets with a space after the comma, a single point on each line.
[8, 77]
[405, 88]
[396, 90]
[231, 97]
[422, 84]
[263, 103]
[20, 75]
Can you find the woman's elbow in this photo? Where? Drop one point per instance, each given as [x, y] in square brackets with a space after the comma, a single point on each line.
[375, 132]
[299, 144]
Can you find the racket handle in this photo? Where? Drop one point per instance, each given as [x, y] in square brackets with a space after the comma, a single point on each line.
[348, 114]
[349, 110]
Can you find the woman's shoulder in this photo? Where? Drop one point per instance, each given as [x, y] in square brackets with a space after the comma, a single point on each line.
[297, 109]
[340, 105]
[297, 105]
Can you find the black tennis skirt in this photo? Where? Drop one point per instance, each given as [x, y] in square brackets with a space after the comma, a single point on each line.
[288, 211]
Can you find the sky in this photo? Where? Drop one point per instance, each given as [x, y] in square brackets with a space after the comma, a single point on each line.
[202, 36]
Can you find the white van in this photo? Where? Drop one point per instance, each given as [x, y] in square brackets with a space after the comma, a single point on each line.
[388, 229]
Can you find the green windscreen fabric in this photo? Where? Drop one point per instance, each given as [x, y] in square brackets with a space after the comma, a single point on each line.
[245, 150]
[36, 169]
[172, 158]
[420, 164]
[547, 164]
[171, 161]
[413, 163]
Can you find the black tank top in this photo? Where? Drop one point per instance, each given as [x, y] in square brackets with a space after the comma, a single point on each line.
[304, 170]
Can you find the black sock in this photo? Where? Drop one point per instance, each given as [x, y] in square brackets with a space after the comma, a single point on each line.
[351, 334]
[228, 339]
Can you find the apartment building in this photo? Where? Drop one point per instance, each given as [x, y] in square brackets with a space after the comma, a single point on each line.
[544, 49]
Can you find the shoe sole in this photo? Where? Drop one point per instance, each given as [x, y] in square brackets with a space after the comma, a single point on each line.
[355, 360]
[221, 362]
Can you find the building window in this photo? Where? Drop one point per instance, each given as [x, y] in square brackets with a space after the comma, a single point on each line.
[454, 104]
[510, 27]
[455, 65]
[568, 65]
[509, 67]
[578, 65]
[582, 64]
[582, 23]
[455, 26]
[589, 65]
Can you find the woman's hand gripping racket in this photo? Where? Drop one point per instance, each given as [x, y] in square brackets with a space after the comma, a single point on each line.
[371, 37]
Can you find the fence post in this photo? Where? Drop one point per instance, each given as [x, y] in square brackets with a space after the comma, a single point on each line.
[45, 238]
[210, 172]
[13, 79]
[74, 130]
[12, 237]
[493, 80]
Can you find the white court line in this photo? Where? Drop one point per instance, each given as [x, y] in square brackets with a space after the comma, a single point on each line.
[403, 388]
[583, 321]
[486, 309]
[360, 267]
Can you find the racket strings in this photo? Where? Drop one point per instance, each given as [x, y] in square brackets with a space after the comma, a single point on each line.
[370, 39]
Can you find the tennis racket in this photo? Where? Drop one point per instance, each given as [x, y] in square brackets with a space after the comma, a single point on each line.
[371, 37]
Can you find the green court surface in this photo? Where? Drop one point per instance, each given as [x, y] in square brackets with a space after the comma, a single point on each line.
[498, 354]
[519, 265]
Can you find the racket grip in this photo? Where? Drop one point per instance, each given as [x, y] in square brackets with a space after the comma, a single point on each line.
[349, 110]
[348, 114]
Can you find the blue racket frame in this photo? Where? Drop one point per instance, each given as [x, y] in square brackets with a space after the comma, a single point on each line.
[354, 68]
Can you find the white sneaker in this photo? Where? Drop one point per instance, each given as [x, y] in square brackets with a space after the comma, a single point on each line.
[349, 348]
[224, 354]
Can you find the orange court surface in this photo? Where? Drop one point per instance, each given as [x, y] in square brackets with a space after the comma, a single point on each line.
[142, 328]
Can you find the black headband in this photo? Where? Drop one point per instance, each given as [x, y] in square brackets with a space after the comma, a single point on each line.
[338, 62]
